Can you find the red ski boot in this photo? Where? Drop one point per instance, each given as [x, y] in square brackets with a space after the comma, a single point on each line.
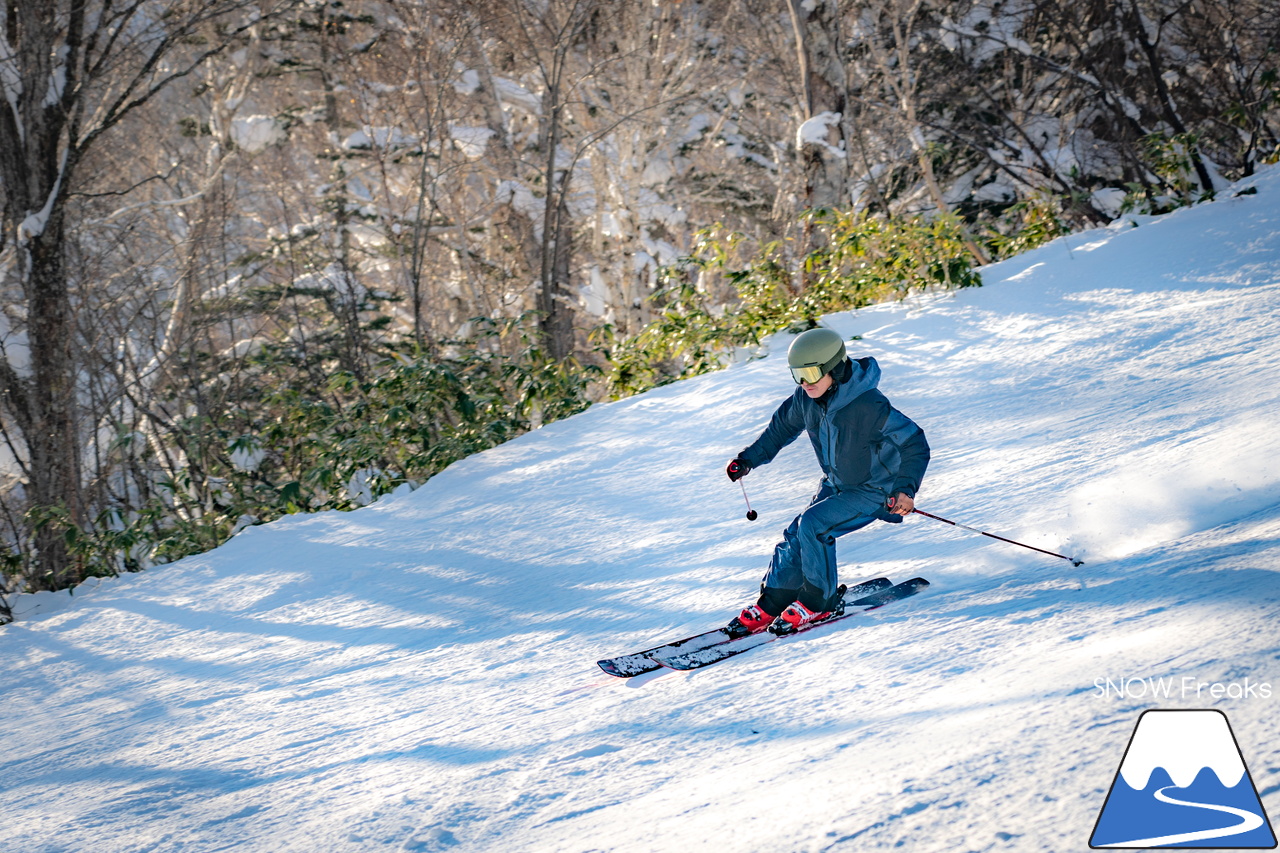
[795, 617]
[751, 620]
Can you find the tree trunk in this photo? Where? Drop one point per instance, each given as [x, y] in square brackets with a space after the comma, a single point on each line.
[824, 154]
[559, 312]
[557, 250]
[34, 167]
[557, 229]
[508, 163]
[54, 440]
[822, 72]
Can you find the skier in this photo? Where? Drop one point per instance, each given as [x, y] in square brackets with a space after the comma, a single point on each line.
[872, 457]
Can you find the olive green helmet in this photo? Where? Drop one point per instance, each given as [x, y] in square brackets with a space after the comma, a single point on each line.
[814, 354]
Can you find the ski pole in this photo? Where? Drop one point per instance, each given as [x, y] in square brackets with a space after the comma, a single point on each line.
[1072, 560]
[752, 515]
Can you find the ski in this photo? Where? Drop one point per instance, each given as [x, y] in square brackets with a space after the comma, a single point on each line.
[637, 663]
[697, 658]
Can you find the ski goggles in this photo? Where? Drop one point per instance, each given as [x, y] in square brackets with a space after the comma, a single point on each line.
[809, 374]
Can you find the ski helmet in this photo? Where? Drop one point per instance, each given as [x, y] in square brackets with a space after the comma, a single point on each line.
[814, 354]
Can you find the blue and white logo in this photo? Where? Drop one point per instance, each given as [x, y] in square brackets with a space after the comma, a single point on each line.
[1183, 783]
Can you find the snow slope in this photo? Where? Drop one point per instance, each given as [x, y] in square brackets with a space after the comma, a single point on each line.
[419, 675]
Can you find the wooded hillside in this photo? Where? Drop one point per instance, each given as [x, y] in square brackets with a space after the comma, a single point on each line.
[261, 257]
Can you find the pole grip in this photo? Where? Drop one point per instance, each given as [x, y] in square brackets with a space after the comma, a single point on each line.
[884, 515]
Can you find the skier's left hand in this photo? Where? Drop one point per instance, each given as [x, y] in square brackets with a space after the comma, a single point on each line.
[901, 504]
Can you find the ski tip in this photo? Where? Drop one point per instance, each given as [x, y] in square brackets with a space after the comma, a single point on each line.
[878, 599]
[610, 668]
[914, 586]
[866, 586]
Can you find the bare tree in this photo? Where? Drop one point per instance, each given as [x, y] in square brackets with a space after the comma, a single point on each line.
[895, 33]
[822, 140]
[71, 72]
[823, 150]
[547, 39]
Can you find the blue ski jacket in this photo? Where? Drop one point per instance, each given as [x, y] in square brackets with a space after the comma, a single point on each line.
[863, 444]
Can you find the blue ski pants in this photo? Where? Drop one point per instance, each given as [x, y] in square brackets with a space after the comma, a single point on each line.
[806, 556]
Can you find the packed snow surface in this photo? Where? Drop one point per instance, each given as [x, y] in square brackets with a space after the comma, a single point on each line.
[420, 674]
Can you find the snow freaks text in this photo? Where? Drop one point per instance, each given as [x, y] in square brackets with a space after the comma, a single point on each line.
[1185, 687]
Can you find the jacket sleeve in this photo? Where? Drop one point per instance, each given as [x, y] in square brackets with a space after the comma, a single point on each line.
[915, 459]
[785, 426]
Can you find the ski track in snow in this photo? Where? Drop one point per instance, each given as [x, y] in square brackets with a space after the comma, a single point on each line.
[419, 675]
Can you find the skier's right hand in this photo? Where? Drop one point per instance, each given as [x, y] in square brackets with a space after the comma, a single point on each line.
[737, 469]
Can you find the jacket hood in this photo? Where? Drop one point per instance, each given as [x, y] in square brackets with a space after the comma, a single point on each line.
[864, 375]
